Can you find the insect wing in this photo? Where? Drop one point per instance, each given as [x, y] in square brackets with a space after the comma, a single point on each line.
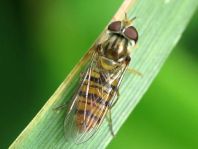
[92, 101]
[81, 123]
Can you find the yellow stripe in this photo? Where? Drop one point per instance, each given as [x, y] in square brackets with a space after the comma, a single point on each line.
[115, 82]
[95, 74]
[95, 110]
[99, 86]
[98, 92]
[83, 102]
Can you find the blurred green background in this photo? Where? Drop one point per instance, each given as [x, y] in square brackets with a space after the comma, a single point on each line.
[41, 41]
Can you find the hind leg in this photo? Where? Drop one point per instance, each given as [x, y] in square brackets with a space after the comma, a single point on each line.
[61, 107]
[109, 120]
[68, 105]
[115, 101]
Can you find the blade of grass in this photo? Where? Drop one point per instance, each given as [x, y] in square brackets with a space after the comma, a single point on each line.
[160, 25]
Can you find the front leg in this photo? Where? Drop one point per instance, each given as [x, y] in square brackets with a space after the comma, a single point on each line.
[132, 70]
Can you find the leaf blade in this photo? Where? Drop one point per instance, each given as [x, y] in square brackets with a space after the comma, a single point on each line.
[148, 58]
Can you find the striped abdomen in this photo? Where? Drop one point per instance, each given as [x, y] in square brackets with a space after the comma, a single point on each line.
[94, 97]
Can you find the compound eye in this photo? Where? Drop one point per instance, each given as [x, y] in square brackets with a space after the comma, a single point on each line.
[115, 26]
[131, 33]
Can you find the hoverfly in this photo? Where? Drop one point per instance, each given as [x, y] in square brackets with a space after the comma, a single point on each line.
[98, 91]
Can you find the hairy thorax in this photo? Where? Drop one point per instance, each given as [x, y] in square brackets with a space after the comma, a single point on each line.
[114, 52]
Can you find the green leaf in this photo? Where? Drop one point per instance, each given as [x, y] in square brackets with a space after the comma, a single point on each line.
[160, 25]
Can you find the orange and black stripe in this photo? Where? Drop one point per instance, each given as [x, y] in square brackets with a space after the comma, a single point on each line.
[94, 99]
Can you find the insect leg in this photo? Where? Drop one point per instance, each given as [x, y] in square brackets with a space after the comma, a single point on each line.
[68, 104]
[108, 116]
[82, 75]
[114, 102]
[134, 71]
[109, 120]
[61, 107]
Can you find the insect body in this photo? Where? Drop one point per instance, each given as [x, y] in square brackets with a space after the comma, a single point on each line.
[98, 91]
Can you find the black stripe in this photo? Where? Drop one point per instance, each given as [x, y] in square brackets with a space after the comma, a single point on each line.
[114, 88]
[102, 81]
[88, 113]
[114, 42]
[94, 97]
[117, 46]
[118, 35]
[125, 43]
[106, 48]
[98, 88]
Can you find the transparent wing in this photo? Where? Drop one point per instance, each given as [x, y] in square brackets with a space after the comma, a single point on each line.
[91, 102]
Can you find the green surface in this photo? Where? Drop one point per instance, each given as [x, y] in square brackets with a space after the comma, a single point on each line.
[42, 42]
[166, 117]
